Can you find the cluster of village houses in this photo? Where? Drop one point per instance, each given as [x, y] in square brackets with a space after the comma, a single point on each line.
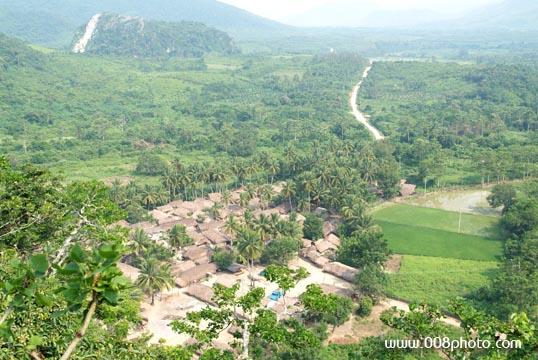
[195, 273]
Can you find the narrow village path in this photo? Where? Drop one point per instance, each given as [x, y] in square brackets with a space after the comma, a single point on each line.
[355, 108]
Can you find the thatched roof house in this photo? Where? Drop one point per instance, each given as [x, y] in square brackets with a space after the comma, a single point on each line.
[328, 228]
[331, 289]
[197, 254]
[197, 237]
[166, 208]
[340, 270]
[211, 225]
[307, 243]
[333, 239]
[235, 268]
[129, 271]
[201, 292]
[324, 246]
[195, 274]
[188, 223]
[407, 189]
[179, 268]
[215, 237]
[215, 197]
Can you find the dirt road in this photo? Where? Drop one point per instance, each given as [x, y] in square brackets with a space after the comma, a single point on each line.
[355, 108]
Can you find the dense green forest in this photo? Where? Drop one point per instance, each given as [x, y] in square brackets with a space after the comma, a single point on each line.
[457, 124]
[136, 37]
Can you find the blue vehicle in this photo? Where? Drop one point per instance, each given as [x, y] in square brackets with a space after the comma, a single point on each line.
[276, 295]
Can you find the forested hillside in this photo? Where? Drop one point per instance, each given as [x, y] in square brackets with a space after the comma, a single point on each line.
[54, 22]
[136, 37]
[457, 123]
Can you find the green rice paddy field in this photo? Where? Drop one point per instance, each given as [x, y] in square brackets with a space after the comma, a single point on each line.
[444, 256]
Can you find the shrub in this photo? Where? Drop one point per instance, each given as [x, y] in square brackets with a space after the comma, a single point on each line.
[280, 251]
[365, 306]
[223, 259]
[313, 227]
[150, 164]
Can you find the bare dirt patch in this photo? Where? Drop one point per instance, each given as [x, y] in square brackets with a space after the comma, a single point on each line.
[393, 264]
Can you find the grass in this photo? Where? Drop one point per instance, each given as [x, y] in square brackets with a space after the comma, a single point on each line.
[438, 280]
[419, 240]
[413, 230]
[471, 224]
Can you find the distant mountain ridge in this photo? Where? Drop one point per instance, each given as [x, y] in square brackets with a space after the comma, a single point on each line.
[112, 34]
[53, 22]
[509, 15]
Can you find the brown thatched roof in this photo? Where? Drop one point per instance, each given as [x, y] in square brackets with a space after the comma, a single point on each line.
[188, 223]
[211, 225]
[215, 197]
[407, 189]
[166, 208]
[331, 289]
[201, 292]
[196, 252]
[144, 225]
[175, 203]
[129, 271]
[324, 245]
[215, 237]
[340, 270]
[197, 237]
[195, 274]
[307, 243]
[235, 268]
[328, 228]
[333, 239]
[321, 261]
[181, 267]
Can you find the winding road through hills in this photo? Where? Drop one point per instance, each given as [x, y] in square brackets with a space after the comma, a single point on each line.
[355, 108]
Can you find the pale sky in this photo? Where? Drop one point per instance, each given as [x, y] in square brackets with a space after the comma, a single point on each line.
[284, 9]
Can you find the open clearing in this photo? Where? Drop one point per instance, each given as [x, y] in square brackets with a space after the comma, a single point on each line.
[467, 201]
[471, 224]
[413, 230]
[438, 280]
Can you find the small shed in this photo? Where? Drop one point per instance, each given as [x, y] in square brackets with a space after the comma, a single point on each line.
[195, 274]
[333, 239]
[340, 270]
[215, 237]
[201, 292]
[407, 189]
[331, 289]
[197, 253]
[324, 246]
[181, 267]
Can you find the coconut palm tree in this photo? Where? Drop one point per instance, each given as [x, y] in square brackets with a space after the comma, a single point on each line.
[177, 237]
[289, 191]
[154, 277]
[214, 211]
[250, 247]
[263, 227]
[138, 241]
[231, 226]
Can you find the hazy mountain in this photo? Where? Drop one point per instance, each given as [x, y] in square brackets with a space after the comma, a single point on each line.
[403, 18]
[110, 34]
[510, 14]
[49, 21]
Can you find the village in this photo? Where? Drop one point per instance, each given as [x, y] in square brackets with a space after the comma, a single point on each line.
[195, 274]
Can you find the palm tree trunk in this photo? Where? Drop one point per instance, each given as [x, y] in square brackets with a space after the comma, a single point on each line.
[246, 340]
[152, 298]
